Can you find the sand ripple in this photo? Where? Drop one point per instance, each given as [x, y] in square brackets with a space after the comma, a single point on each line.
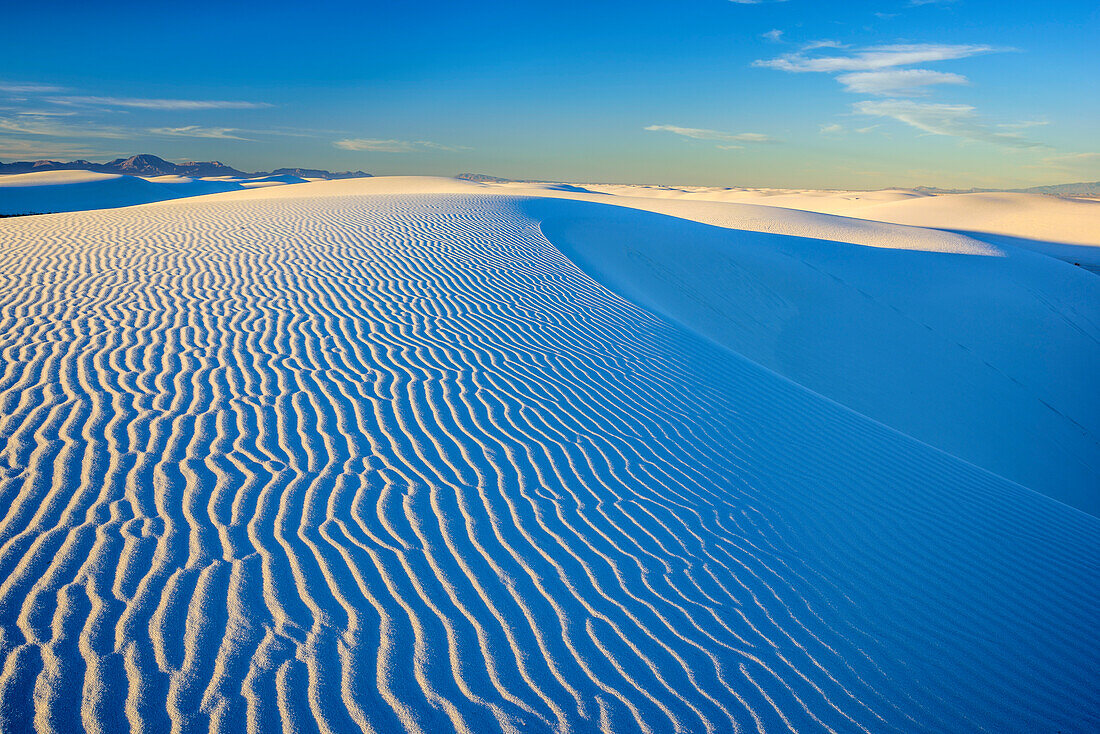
[379, 464]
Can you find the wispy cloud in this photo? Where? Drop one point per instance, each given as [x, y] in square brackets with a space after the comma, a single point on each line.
[48, 126]
[1023, 124]
[393, 146]
[195, 131]
[821, 43]
[23, 148]
[38, 113]
[157, 104]
[836, 129]
[704, 134]
[895, 82]
[877, 71]
[1085, 163]
[955, 120]
[136, 102]
[873, 58]
[774, 35]
[28, 88]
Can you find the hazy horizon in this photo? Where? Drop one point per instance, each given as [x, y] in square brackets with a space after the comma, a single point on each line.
[712, 92]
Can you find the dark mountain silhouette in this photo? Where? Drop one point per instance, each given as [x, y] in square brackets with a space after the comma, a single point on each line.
[482, 178]
[317, 173]
[147, 165]
[1086, 188]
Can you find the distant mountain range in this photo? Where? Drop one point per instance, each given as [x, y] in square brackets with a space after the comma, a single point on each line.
[1085, 188]
[482, 178]
[151, 165]
[1088, 188]
[1073, 189]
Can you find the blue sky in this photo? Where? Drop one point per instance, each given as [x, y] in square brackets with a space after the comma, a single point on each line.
[799, 93]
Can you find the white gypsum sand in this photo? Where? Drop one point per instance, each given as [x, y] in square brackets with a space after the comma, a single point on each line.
[49, 192]
[1065, 227]
[421, 454]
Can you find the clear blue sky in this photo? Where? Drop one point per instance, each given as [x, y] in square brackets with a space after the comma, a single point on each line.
[798, 93]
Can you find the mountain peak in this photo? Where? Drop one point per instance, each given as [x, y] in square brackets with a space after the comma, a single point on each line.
[149, 165]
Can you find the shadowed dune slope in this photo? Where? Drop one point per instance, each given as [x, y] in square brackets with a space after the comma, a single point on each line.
[937, 344]
[68, 191]
[381, 463]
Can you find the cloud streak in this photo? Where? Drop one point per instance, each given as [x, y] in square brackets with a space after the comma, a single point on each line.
[16, 147]
[873, 58]
[955, 120]
[895, 82]
[697, 133]
[47, 126]
[157, 104]
[28, 88]
[195, 131]
[1085, 163]
[392, 146]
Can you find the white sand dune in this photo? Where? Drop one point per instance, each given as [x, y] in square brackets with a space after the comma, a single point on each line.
[422, 455]
[1065, 228]
[927, 332]
[47, 192]
[919, 329]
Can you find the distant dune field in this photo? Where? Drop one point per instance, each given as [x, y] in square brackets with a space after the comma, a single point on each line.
[414, 454]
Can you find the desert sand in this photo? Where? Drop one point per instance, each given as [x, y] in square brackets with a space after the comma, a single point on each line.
[417, 454]
[69, 191]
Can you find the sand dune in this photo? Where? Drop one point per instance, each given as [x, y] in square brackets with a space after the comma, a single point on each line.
[917, 328]
[430, 455]
[922, 333]
[1062, 227]
[68, 191]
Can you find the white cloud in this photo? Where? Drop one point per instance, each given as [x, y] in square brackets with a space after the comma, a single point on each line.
[1023, 124]
[836, 129]
[37, 113]
[774, 35]
[874, 58]
[30, 124]
[955, 120]
[895, 82]
[392, 146]
[28, 88]
[704, 134]
[144, 103]
[1088, 163]
[824, 43]
[158, 104]
[194, 131]
[22, 148]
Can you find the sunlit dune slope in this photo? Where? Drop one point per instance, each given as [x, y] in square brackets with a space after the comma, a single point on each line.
[1063, 227]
